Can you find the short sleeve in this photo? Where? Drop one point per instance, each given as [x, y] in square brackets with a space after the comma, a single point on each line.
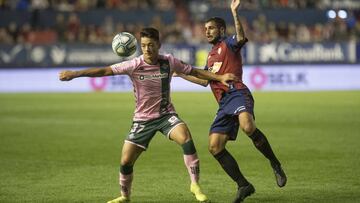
[179, 66]
[125, 67]
[232, 43]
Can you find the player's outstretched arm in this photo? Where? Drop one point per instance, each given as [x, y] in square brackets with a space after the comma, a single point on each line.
[240, 34]
[90, 72]
[192, 79]
[206, 75]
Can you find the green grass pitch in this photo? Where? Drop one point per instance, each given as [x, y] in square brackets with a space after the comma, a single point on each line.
[66, 148]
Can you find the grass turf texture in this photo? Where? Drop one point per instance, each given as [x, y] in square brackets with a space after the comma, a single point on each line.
[66, 148]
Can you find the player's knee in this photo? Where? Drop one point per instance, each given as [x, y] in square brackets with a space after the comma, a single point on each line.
[180, 135]
[183, 139]
[125, 160]
[248, 128]
[214, 149]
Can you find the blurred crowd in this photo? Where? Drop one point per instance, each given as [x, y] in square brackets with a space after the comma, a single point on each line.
[84, 5]
[184, 29]
[81, 5]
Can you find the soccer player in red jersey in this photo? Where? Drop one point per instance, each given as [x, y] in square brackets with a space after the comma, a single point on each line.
[236, 103]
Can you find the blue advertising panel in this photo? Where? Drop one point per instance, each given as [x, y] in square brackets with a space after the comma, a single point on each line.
[253, 53]
[76, 55]
[283, 53]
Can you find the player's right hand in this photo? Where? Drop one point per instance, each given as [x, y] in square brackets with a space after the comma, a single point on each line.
[66, 75]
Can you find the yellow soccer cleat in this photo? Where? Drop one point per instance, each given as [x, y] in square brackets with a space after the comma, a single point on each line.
[195, 189]
[120, 199]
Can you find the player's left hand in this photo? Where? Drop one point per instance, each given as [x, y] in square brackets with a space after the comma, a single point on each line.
[228, 77]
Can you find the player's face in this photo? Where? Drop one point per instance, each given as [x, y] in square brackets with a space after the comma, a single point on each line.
[150, 49]
[212, 32]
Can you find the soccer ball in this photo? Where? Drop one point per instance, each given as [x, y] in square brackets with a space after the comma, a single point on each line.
[124, 44]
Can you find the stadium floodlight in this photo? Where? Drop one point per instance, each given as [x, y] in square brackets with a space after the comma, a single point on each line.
[342, 14]
[331, 14]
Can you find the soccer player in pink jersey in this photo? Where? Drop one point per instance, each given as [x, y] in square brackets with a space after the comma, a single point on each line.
[151, 75]
[236, 104]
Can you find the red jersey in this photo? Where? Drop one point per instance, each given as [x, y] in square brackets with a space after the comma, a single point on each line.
[224, 58]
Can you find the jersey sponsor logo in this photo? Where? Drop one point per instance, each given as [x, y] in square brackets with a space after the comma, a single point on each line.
[154, 76]
[216, 67]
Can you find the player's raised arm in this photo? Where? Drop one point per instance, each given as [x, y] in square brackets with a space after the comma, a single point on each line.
[90, 72]
[240, 34]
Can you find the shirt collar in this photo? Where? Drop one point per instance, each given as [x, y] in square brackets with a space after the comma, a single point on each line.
[220, 40]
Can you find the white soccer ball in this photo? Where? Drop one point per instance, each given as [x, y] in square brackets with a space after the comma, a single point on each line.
[124, 44]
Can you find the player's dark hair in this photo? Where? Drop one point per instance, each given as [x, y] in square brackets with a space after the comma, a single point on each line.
[150, 33]
[218, 21]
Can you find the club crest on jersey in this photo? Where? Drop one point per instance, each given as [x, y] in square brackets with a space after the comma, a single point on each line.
[219, 50]
[216, 67]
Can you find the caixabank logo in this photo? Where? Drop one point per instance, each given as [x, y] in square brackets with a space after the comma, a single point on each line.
[277, 78]
[310, 52]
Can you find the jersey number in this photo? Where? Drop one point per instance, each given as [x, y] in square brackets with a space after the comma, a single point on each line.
[136, 128]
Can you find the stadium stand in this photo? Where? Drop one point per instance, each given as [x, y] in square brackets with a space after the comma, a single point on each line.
[95, 21]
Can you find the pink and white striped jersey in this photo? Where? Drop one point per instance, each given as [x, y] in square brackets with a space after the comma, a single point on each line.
[151, 84]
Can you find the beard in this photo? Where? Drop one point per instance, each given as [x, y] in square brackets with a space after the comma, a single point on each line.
[215, 40]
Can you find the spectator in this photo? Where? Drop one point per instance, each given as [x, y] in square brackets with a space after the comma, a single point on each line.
[303, 34]
[24, 34]
[340, 30]
[317, 33]
[73, 26]
[13, 31]
[60, 27]
[272, 32]
[5, 38]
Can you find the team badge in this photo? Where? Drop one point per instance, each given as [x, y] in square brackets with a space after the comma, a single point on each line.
[216, 67]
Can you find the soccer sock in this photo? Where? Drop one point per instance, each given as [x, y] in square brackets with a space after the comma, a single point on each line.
[263, 145]
[125, 180]
[231, 167]
[191, 161]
